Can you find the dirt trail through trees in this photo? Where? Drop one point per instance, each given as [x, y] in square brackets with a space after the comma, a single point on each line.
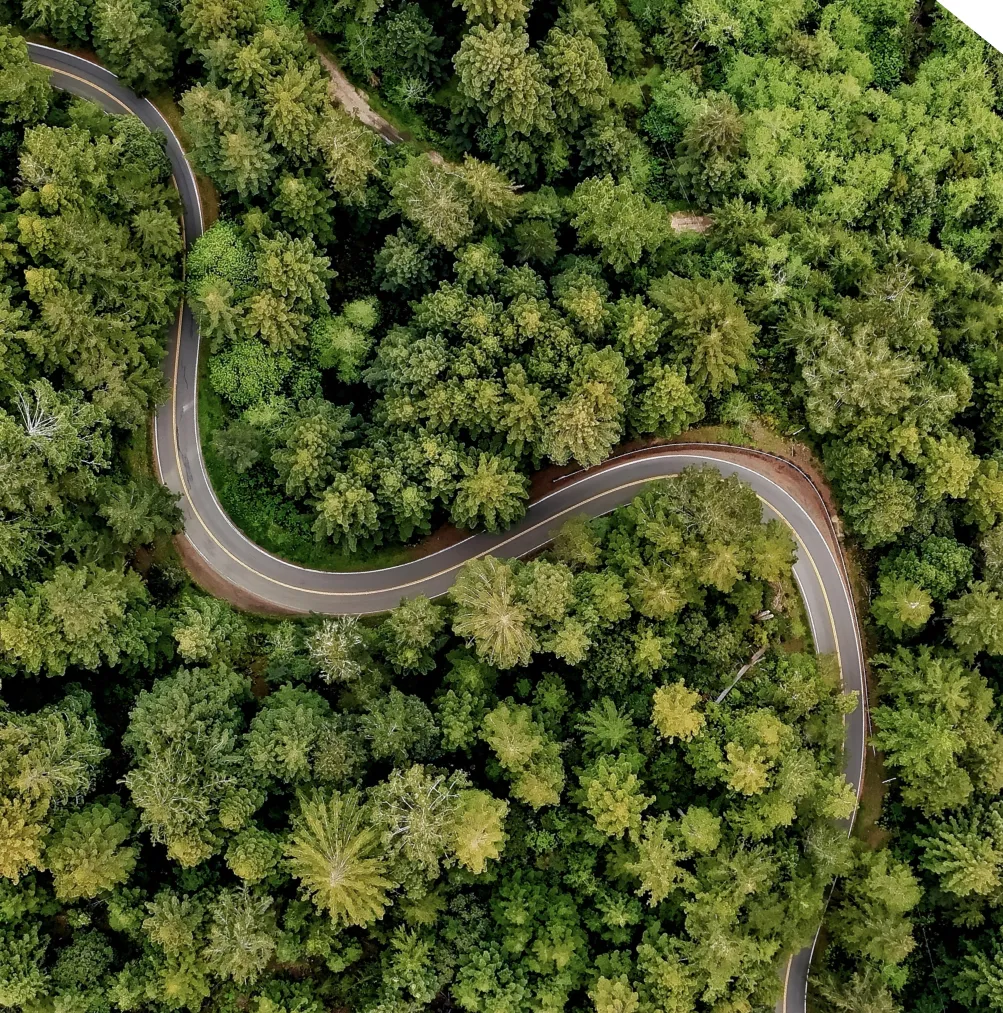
[354, 101]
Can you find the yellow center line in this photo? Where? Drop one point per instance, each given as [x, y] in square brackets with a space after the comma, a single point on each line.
[90, 84]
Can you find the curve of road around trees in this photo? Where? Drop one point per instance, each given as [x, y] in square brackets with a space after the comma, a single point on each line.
[237, 561]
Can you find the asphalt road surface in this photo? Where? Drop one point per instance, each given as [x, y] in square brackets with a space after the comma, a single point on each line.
[239, 562]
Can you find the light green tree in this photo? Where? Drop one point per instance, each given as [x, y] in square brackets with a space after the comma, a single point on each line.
[489, 614]
[309, 446]
[665, 404]
[701, 830]
[22, 949]
[227, 141]
[189, 779]
[336, 857]
[863, 992]
[983, 974]
[579, 79]
[614, 995]
[977, 621]
[513, 735]
[658, 863]
[872, 921]
[637, 328]
[343, 342]
[746, 769]
[492, 493]
[305, 206]
[253, 854]
[398, 726]
[674, 712]
[207, 629]
[293, 102]
[432, 196]
[81, 616]
[85, 854]
[24, 86]
[478, 834]
[984, 499]
[901, 605]
[584, 427]
[138, 510]
[65, 20]
[935, 728]
[415, 809]
[47, 759]
[205, 21]
[493, 196]
[523, 749]
[947, 466]
[621, 223]
[494, 11]
[350, 152]
[612, 795]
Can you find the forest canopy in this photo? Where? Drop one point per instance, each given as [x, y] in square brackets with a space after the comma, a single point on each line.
[399, 337]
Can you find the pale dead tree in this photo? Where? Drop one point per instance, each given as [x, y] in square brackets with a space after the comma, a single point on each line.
[892, 285]
[425, 805]
[336, 648]
[61, 767]
[39, 422]
[181, 783]
[46, 421]
[412, 91]
[33, 172]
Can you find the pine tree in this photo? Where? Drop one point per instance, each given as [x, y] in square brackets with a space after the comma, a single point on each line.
[132, 40]
[285, 733]
[207, 629]
[622, 223]
[411, 634]
[967, 852]
[242, 935]
[24, 87]
[707, 320]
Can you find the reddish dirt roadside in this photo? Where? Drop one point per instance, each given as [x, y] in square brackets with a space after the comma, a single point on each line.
[207, 579]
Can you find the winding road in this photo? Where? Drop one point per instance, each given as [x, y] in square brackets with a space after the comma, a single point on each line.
[237, 561]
